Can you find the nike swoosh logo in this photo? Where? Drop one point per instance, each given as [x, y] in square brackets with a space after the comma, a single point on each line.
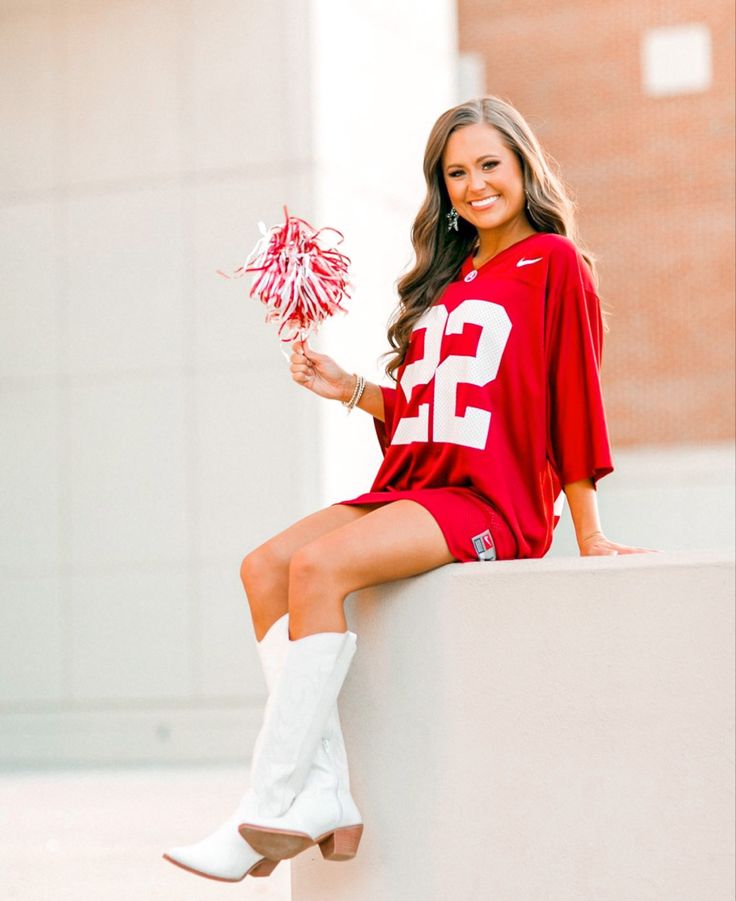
[523, 262]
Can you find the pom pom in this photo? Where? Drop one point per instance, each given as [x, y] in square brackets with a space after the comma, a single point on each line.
[299, 277]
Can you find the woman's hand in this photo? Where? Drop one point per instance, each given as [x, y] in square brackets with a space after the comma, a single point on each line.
[320, 373]
[597, 545]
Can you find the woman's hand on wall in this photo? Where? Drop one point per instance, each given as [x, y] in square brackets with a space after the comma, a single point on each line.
[320, 373]
[597, 545]
[581, 496]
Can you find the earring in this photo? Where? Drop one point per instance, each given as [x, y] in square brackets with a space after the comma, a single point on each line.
[452, 218]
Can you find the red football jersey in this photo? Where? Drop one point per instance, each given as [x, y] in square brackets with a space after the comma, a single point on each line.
[498, 402]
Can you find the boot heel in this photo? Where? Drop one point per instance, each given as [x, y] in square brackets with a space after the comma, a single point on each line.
[342, 844]
[264, 868]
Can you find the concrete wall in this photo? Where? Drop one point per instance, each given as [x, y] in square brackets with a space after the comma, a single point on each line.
[678, 498]
[152, 431]
[544, 729]
[142, 142]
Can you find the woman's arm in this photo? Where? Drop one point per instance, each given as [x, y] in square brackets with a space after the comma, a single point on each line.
[371, 400]
[581, 496]
[322, 375]
[592, 542]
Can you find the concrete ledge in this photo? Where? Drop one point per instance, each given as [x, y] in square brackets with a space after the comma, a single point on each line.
[544, 730]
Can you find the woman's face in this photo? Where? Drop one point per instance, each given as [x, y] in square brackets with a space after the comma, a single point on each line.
[483, 178]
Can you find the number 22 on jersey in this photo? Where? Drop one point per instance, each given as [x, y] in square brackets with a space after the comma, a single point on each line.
[470, 429]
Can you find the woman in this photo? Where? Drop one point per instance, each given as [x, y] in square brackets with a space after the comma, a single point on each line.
[498, 410]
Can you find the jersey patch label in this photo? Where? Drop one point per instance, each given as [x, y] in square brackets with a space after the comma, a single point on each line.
[484, 546]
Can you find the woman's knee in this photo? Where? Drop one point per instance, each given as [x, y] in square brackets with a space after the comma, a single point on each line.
[305, 561]
[316, 596]
[313, 567]
[262, 569]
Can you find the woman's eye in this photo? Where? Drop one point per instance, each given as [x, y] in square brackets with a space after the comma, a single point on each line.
[456, 172]
[490, 163]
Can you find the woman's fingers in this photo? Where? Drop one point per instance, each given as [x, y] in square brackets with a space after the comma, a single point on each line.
[297, 349]
[629, 549]
[610, 548]
[315, 371]
[302, 368]
[299, 359]
[307, 351]
[637, 550]
[302, 353]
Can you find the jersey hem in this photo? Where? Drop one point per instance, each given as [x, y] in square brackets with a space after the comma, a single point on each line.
[481, 514]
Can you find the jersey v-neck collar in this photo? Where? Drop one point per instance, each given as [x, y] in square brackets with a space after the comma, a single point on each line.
[468, 267]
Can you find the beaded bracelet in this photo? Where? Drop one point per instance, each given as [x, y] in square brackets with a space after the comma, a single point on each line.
[360, 391]
[357, 393]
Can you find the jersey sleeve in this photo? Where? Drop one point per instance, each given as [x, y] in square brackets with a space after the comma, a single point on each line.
[578, 445]
[385, 429]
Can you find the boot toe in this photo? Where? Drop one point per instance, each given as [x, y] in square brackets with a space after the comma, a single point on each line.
[224, 855]
[182, 857]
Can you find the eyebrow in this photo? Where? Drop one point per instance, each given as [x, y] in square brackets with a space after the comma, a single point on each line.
[486, 156]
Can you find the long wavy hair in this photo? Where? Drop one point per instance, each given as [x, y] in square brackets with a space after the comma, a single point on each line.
[439, 253]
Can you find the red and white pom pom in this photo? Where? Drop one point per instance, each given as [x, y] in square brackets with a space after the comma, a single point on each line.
[297, 275]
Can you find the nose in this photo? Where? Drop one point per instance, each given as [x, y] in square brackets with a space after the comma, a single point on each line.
[477, 181]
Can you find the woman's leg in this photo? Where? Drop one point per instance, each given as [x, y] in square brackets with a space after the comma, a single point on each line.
[264, 572]
[393, 541]
[289, 812]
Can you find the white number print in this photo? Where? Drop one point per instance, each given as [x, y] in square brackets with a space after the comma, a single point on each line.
[471, 429]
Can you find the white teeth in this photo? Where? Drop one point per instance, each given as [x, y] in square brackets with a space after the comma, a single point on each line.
[485, 202]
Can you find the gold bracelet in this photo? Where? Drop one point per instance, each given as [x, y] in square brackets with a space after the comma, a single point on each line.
[346, 403]
[360, 391]
[357, 393]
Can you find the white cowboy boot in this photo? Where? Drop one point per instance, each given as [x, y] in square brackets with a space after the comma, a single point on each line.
[223, 854]
[300, 794]
[325, 803]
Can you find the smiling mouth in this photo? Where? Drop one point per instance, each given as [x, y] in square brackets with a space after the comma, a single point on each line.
[484, 202]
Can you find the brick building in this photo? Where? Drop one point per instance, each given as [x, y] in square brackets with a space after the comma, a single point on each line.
[635, 102]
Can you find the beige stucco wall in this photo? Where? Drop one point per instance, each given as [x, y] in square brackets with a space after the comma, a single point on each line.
[152, 433]
[556, 729]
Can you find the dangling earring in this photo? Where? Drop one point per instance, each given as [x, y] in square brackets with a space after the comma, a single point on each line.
[452, 218]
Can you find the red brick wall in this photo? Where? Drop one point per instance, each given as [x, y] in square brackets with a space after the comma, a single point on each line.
[653, 179]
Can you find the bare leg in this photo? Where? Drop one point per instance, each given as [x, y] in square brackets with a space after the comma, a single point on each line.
[264, 572]
[393, 541]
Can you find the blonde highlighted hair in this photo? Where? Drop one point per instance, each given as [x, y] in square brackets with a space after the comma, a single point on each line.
[439, 253]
